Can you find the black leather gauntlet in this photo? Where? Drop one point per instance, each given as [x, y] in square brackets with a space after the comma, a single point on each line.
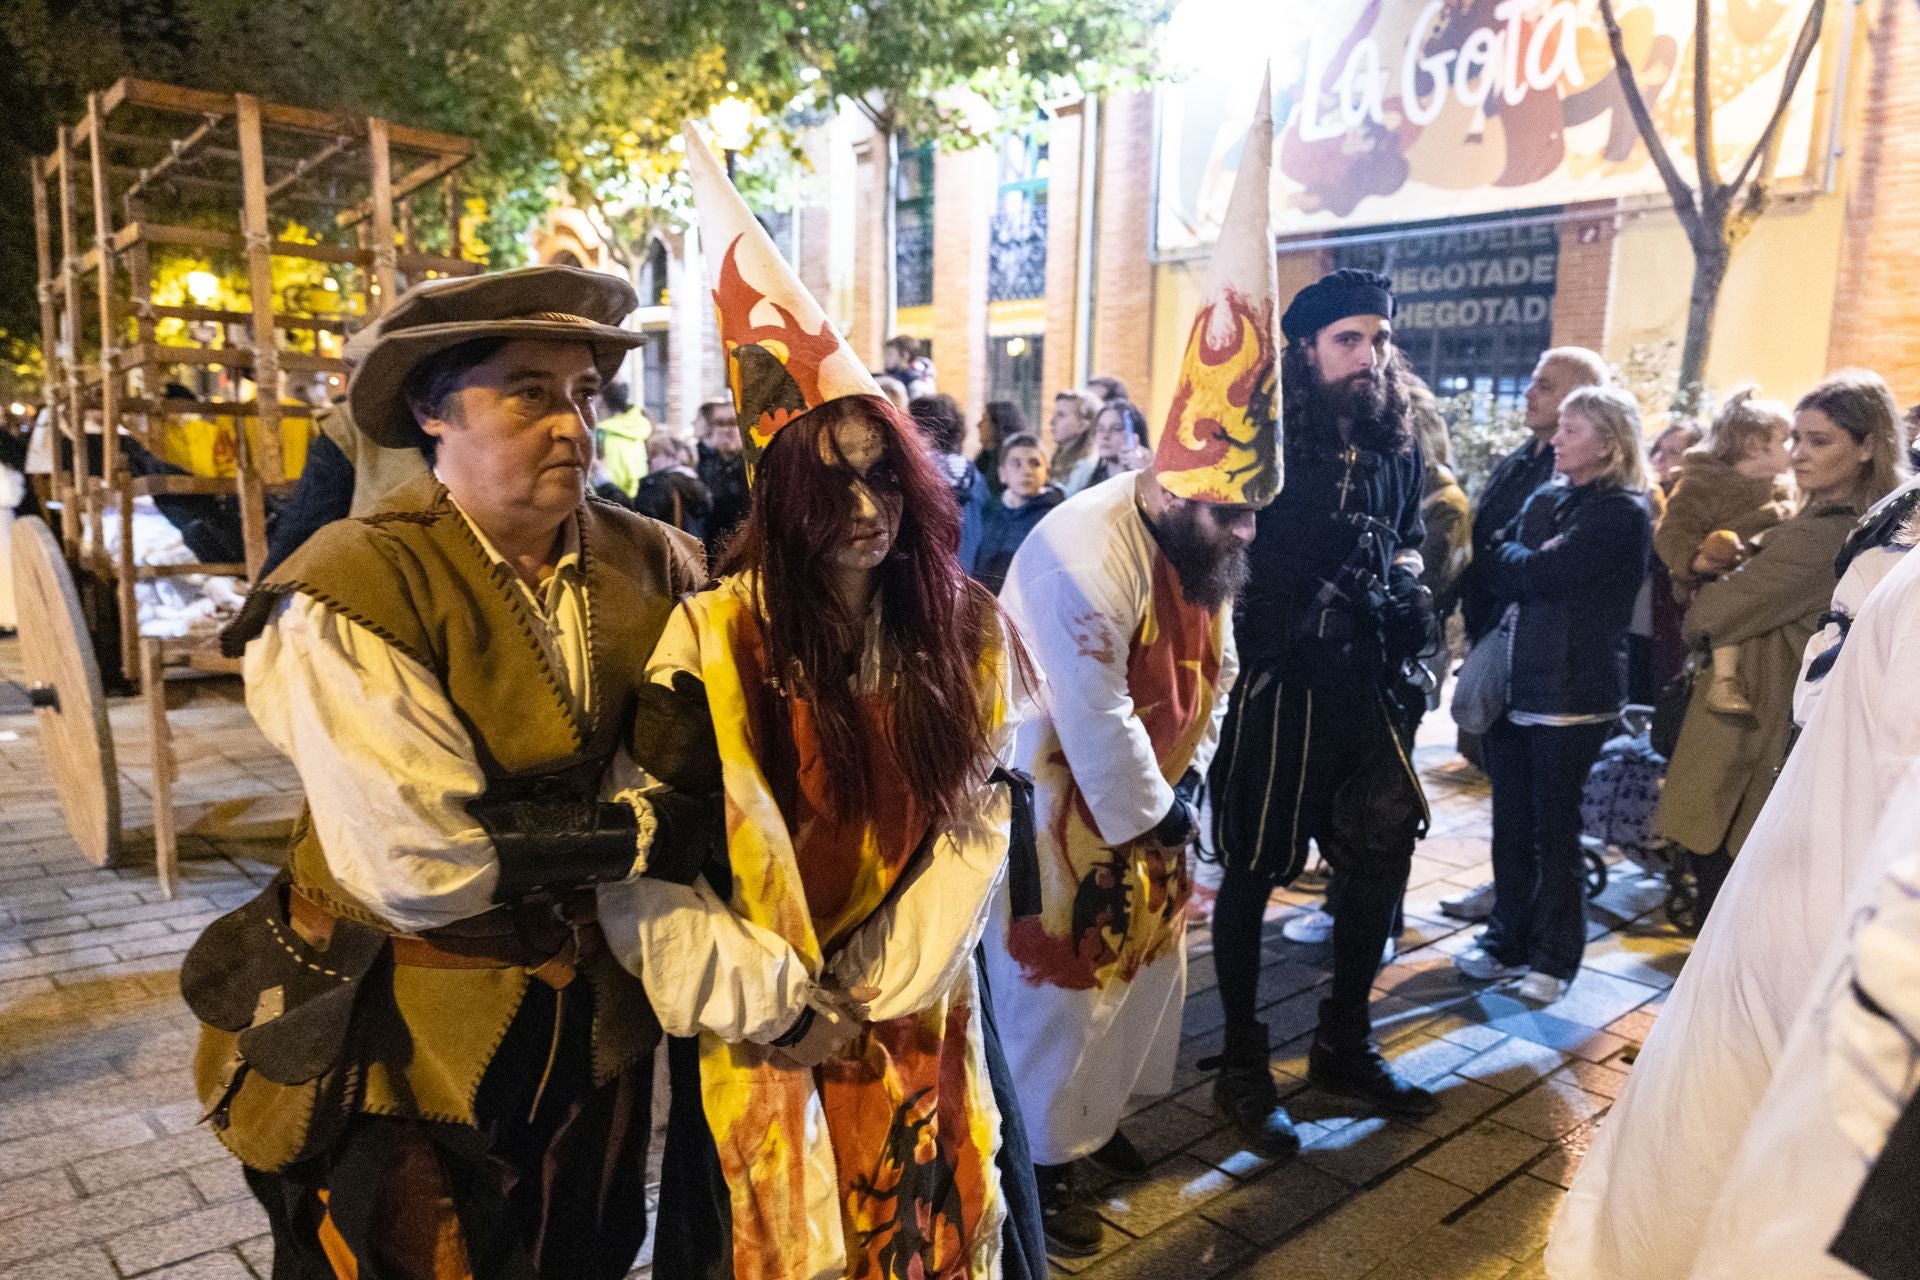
[557, 843]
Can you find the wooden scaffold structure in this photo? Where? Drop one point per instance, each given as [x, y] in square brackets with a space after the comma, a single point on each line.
[153, 173]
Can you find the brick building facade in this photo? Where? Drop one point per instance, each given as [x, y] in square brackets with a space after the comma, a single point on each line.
[1040, 268]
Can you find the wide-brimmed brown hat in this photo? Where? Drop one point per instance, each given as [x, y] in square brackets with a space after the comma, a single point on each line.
[553, 304]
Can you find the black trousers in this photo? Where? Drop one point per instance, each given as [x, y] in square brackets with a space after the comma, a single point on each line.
[1539, 877]
[1322, 763]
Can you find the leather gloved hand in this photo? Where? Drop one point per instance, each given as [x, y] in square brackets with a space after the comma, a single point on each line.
[1411, 624]
[673, 736]
[1178, 827]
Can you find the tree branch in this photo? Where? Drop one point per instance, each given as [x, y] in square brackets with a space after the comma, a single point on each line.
[1702, 100]
[1683, 195]
[1796, 65]
[596, 209]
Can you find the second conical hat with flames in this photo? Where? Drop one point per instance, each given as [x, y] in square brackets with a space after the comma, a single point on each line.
[784, 356]
[1221, 442]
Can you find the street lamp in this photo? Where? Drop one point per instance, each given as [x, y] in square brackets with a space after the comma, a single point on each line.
[731, 119]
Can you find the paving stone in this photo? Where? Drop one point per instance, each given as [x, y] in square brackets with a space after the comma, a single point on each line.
[1462, 1101]
[1480, 1156]
[1191, 1249]
[35, 1191]
[219, 1180]
[1551, 1109]
[45, 1150]
[88, 1262]
[95, 1218]
[224, 1265]
[1444, 1254]
[145, 1248]
[1364, 1232]
[1162, 1129]
[258, 1251]
[1513, 1065]
[1360, 1152]
[1174, 1187]
[1276, 1202]
[160, 1155]
[1515, 1219]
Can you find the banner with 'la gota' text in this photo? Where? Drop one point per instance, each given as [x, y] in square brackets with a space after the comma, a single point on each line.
[1393, 111]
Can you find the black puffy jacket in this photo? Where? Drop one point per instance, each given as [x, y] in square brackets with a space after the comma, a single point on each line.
[1575, 560]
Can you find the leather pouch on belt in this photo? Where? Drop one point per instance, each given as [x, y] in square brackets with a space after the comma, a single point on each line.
[274, 1066]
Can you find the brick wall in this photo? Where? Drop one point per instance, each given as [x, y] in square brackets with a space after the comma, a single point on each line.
[1875, 306]
[1064, 158]
[1122, 265]
[1297, 269]
[963, 191]
[1584, 280]
[872, 312]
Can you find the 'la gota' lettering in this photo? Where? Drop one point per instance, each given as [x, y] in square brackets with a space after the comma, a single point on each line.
[1504, 60]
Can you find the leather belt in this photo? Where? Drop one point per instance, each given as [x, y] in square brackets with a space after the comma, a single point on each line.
[533, 936]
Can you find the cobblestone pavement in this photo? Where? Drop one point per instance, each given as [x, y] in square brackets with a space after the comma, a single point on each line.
[104, 1172]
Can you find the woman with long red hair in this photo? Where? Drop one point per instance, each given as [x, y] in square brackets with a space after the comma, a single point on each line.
[857, 685]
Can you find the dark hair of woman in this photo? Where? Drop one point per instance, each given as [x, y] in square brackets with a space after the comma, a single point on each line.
[933, 618]
[1003, 419]
[1135, 420]
[940, 421]
[1310, 426]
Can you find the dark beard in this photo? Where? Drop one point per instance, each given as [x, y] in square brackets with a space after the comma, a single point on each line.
[1359, 398]
[1210, 574]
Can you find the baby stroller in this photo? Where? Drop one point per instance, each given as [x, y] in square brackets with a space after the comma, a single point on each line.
[1616, 815]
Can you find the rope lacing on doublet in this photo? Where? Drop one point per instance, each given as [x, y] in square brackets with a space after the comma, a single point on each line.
[503, 577]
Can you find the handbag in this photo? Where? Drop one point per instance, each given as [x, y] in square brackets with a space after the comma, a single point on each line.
[1484, 685]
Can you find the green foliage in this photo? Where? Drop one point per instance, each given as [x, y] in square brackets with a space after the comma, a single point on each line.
[584, 97]
[1482, 434]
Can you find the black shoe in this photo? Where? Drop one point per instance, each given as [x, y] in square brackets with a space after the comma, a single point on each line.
[1073, 1228]
[1360, 1072]
[1120, 1158]
[1245, 1093]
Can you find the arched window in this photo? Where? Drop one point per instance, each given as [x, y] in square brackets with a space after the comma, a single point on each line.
[653, 277]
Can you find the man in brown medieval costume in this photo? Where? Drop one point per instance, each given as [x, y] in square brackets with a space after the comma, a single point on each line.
[416, 1040]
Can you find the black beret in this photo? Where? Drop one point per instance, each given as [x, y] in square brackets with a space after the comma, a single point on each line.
[1347, 292]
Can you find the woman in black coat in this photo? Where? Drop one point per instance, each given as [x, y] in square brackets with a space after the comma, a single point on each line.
[1569, 569]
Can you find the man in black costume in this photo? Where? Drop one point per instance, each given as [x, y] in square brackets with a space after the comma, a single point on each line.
[1315, 747]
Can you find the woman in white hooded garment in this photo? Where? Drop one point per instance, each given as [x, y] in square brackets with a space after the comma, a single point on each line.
[1639, 1205]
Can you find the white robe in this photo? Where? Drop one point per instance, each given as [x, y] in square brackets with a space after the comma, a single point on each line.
[1639, 1204]
[1081, 592]
[1845, 1077]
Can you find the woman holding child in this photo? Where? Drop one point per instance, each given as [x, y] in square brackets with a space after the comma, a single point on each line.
[1847, 450]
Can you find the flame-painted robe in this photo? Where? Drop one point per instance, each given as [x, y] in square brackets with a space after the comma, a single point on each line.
[1089, 992]
[879, 1164]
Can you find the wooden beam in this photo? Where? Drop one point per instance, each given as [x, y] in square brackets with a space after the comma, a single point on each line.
[339, 146]
[432, 171]
[110, 387]
[176, 152]
[266, 364]
[329, 321]
[380, 202]
[72, 420]
[167, 97]
[43, 255]
[232, 358]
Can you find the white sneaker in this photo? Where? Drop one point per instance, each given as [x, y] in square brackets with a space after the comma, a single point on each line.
[1310, 927]
[1474, 904]
[1388, 953]
[1479, 963]
[1542, 988]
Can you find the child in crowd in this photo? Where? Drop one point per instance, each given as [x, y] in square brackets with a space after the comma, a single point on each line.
[1025, 496]
[1730, 491]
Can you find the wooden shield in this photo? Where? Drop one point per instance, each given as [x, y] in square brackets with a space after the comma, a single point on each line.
[64, 680]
